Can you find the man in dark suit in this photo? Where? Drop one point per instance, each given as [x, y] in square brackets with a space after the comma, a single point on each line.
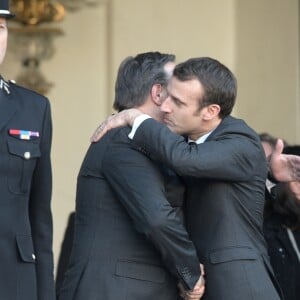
[129, 239]
[26, 259]
[226, 169]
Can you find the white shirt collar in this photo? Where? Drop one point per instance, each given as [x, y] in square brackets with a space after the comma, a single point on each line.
[202, 138]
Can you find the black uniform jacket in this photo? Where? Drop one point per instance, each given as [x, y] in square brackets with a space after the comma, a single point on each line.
[26, 258]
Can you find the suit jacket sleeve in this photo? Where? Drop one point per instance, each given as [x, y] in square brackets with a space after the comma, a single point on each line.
[138, 184]
[232, 155]
[40, 212]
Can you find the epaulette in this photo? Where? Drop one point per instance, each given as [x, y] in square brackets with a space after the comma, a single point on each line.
[4, 85]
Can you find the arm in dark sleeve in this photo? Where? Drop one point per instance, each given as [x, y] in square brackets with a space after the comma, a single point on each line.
[232, 156]
[65, 252]
[138, 185]
[40, 212]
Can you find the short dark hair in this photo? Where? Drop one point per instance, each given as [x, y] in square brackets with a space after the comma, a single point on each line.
[219, 83]
[137, 75]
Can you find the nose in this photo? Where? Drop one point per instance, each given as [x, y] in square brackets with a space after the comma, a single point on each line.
[166, 105]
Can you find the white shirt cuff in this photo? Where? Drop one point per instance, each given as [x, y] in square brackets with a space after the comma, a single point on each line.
[136, 124]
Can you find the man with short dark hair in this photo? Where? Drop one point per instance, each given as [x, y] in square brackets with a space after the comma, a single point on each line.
[225, 169]
[130, 242]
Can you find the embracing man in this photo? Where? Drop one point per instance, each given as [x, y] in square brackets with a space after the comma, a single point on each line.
[225, 170]
[130, 241]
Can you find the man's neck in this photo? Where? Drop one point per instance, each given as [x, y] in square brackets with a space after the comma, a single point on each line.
[151, 110]
[210, 127]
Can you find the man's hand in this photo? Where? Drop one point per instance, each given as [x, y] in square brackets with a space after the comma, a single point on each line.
[284, 167]
[123, 118]
[197, 292]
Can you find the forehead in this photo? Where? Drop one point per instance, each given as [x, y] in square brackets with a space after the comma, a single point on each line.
[187, 90]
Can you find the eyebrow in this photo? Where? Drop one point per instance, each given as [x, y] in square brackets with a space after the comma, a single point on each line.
[177, 99]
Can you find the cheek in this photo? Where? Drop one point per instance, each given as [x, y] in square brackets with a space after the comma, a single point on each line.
[194, 122]
[3, 42]
[183, 117]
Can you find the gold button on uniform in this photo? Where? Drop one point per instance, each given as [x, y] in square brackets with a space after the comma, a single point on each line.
[27, 155]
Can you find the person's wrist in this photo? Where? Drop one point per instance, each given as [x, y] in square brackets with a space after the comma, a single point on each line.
[134, 113]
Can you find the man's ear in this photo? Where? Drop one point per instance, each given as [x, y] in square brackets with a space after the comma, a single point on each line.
[211, 111]
[157, 94]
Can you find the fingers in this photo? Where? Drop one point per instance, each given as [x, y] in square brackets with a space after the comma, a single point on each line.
[102, 129]
[295, 166]
[201, 282]
[99, 132]
[123, 118]
[284, 167]
[202, 269]
[192, 295]
[279, 147]
[197, 291]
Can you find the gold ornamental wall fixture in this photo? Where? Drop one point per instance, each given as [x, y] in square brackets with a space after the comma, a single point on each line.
[32, 39]
[33, 12]
[33, 33]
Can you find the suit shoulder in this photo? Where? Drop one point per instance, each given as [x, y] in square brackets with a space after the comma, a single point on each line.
[116, 135]
[103, 149]
[239, 126]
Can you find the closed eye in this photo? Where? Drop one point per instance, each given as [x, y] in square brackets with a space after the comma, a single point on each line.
[177, 101]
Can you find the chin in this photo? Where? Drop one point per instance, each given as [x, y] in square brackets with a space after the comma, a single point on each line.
[172, 129]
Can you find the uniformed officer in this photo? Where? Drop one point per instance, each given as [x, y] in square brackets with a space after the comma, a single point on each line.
[26, 259]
